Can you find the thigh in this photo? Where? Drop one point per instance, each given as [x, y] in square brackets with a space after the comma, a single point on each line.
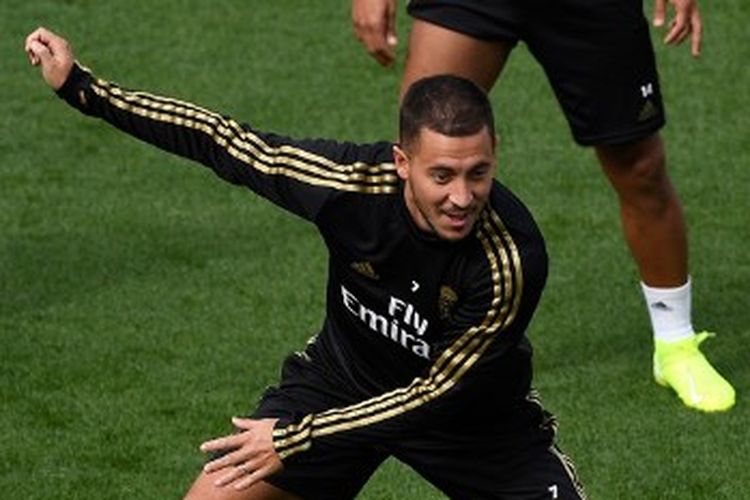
[512, 458]
[549, 474]
[328, 472]
[600, 62]
[461, 38]
[204, 489]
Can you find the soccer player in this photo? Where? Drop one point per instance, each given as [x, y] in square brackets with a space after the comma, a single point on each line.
[599, 60]
[435, 270]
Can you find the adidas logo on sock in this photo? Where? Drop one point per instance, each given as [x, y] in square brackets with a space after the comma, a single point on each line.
[661, 306]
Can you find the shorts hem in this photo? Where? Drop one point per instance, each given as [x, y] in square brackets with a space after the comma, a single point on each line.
[620, 137]
[456, 19]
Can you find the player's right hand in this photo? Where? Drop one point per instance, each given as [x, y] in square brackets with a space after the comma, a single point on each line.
[374, 23]
[53, 53]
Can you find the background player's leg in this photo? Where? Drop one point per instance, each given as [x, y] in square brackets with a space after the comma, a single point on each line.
[203, 489]
[654, 229]
[600, 61]
[435, 50]
[650, 210]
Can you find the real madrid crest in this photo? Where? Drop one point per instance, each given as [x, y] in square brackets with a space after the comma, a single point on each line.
[447, 299]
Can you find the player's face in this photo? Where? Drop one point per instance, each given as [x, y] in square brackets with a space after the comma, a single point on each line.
[447, 180]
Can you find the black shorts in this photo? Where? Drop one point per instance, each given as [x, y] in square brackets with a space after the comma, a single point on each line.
[597, 55]
[512, 458]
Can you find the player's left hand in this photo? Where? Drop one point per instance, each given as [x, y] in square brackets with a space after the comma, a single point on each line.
[686, 22]
[253, 457]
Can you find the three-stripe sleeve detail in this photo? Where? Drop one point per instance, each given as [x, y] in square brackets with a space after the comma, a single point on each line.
[250, 148]
[453, 363]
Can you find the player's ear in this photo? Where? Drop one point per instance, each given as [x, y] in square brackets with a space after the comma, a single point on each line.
[401, 159]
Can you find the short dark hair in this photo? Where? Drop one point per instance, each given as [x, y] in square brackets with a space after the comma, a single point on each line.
[447, 104]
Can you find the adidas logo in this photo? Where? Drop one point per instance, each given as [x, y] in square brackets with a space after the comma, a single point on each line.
[365, 269]
[661, 306]
[648, 111]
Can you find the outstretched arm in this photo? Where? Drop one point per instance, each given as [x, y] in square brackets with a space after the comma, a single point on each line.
[685, 23]
[300, 176]
[374, 23]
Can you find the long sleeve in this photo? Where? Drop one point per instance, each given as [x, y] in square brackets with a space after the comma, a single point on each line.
[298, 175]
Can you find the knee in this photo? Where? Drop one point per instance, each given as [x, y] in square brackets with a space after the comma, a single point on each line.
[639, 175]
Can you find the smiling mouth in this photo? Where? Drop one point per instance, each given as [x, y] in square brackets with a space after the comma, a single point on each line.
[458, 219]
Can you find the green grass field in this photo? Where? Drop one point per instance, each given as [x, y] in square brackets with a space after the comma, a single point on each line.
[143, 302]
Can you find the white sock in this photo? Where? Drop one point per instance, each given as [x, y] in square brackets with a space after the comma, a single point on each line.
[669, 309]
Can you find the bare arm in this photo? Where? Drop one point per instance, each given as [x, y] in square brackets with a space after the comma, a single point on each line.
[685, 23]
[374, 23]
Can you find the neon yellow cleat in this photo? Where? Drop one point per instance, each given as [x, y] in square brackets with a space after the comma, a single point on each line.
[681, 366]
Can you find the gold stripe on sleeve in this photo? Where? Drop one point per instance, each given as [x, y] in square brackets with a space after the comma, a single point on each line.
[251, 149]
